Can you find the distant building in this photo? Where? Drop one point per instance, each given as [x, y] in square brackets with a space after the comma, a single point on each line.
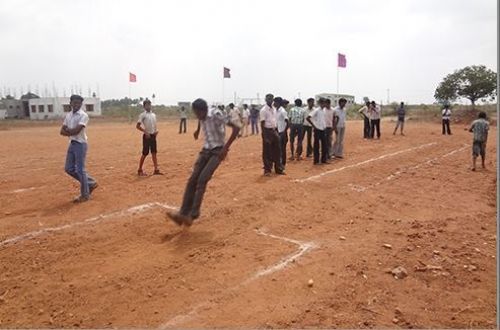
[334, 98]
[57, 107]
[13, 107]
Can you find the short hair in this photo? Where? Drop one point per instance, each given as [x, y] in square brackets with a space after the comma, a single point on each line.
[245, 105]
[278, 100]
[328, 101]
[342, 100]
[147, 102]
[310, 99]
[269, 95]
[298, 102]
[482, 115]
[367, 103]
[373, 102]
[200, 105]
[76, 97]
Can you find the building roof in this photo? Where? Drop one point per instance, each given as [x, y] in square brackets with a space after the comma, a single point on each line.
[29, 96]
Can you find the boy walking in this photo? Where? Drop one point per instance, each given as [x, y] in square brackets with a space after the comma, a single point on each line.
[480, 128]
[214, 151]
[270, 138]
[446, 114]
[296, 129]
[183, 122]
[308, 128]
[339, 116]
[74, 127]
[318, 121]
[401, 112]
[147, 125]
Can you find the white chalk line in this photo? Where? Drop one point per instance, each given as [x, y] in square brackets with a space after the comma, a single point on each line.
[304, 247]
[132, 210]
[16, 191]
[318, 176]
[429, 161]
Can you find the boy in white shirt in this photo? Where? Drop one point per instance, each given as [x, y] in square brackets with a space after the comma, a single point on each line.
[374, 120]
[282, 124]
[245, 115]
[329, 127]
[270, 138]
[147, 125]
[74, 126]
[339, 116]
[318, 121]
[446, 114]
[308, 128]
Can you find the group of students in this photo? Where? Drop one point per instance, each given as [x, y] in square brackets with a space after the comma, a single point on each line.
[315, 123]
[311, 122]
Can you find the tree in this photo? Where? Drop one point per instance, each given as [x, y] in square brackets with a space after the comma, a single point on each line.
[474, 82]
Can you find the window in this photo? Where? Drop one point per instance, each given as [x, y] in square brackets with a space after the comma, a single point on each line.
[50, 108]
[18, 107]
[33, 108]
[66, 108]
[41, 108]
[89, 107]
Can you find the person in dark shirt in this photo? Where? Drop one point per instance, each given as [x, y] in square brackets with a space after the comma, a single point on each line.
[401, 112]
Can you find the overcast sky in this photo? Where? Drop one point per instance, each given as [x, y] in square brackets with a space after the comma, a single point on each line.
[178, 48]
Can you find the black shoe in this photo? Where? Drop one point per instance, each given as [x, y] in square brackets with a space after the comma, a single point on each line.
[92, 188]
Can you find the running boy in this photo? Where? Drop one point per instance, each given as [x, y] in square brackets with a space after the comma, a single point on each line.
[147, 125]
[480, 128]
[74, 126]
[214, 151]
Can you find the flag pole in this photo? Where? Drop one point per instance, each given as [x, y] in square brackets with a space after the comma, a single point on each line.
[337, 78]
[223, 89]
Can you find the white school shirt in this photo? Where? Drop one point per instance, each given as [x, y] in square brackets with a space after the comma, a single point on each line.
[245, 113]
[268, 116]
[148, 121]
[329, 117]
[446, 113]
[340, 114]
[72, 120]
[307, 113]
[375, 113]
[235, 116]
[281, 117]
[318, 118]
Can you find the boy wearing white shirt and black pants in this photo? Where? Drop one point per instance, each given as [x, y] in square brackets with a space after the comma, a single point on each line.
[446, 114]
[318, 121]
[270, 138]
[148, 119]
[329, 127]
[282, 124]
[74, 127]
[308, 128]
[339, 115]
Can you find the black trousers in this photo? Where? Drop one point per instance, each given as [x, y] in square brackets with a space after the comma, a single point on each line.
[182, 124]
[375, 125]
[320, 143]
[271, 150]
[308, 134]
[366, 128]
[283, 142]
[296, 130]
[446, 126]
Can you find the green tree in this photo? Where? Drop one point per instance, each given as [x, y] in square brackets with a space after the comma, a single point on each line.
[474, 82]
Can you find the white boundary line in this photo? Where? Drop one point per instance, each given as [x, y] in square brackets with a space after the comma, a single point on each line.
[429, 161]
[304, 247]
[132, 210]
[318, 176]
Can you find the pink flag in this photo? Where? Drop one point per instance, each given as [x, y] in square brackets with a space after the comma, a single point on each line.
[341, 61]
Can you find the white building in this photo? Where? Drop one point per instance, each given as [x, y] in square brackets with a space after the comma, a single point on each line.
[334, 98]
[57, 107]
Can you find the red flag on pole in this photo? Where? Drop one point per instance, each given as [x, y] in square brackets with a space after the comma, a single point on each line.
[227, 73]
[341, 61]
[132, 77]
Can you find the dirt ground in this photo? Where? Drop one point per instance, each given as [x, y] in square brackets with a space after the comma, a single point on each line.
[408, 201]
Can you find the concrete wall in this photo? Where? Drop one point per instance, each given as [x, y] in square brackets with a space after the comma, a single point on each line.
[57, 107]
[14, 108]
[3, 113]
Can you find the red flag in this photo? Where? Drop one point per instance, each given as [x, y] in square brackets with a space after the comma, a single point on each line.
[341, 61]
[227, 74]
[132, 77]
